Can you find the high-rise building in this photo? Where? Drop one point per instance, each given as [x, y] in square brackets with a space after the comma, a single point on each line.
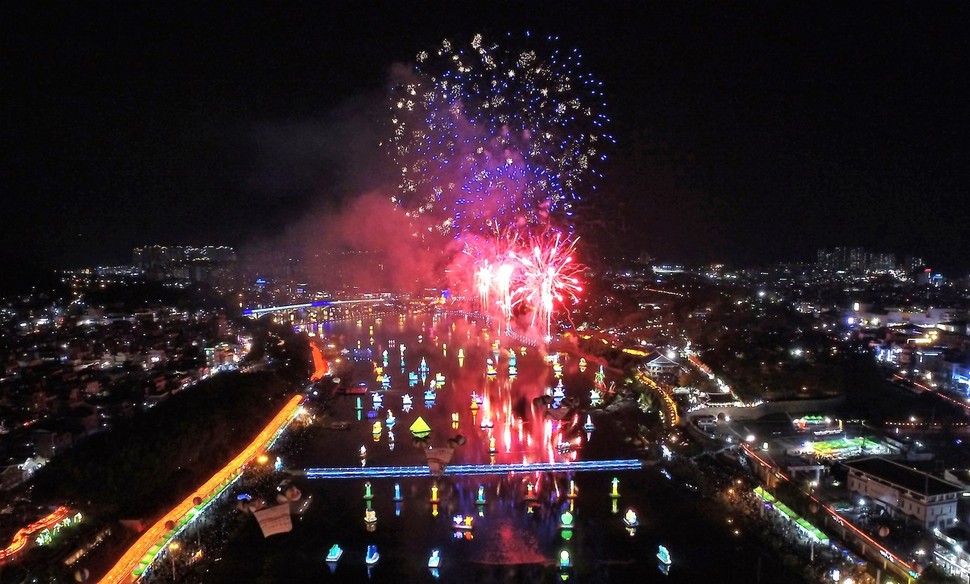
[881, 262]
[214, 264]
[853, 260]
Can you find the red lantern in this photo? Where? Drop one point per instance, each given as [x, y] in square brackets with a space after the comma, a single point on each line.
[170, 525]
[196, 501]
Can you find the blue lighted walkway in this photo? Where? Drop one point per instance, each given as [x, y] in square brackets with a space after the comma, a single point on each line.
[350, 472]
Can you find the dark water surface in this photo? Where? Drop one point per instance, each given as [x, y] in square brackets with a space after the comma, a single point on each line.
[508, 543]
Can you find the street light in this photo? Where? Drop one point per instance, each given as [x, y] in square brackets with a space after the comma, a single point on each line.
[172, 548]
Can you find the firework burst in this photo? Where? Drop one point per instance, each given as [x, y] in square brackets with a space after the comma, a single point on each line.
[486, 136]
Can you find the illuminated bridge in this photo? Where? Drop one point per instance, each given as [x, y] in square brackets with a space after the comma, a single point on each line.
[351, 472]
[317, 304]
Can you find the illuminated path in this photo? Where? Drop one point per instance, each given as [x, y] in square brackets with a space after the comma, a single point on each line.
[155, 539]
[887, 557]
[351, 472]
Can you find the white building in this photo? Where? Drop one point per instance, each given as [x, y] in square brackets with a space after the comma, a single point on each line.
[902, 490]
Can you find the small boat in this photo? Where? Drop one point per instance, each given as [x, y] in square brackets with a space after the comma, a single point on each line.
[372, 555]
[435, 560]
[630, 519]
[664, 556]
[334, 554]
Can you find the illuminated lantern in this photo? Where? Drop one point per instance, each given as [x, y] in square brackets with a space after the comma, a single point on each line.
[883, 531]
[434, 493]
[616, 486]
[196, 501]
[420, 429]
[564, 560]
[367, 491]
[169, 525]
[530, 495]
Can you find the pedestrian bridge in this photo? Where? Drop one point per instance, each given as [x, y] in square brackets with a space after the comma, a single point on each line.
[352, 472]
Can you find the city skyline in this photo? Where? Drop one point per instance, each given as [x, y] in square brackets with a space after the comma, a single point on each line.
[749, 137]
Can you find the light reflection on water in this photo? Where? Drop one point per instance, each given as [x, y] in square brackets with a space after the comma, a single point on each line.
[513, 538]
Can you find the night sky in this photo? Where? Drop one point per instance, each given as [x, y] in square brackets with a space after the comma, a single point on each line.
[745, 133]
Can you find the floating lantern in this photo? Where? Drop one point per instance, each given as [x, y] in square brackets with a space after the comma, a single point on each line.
[420, 429]
[372, 556]
[530, 492]
[335, 553]
[463, 522]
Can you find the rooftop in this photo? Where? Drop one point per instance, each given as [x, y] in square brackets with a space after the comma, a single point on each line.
[904, 476]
